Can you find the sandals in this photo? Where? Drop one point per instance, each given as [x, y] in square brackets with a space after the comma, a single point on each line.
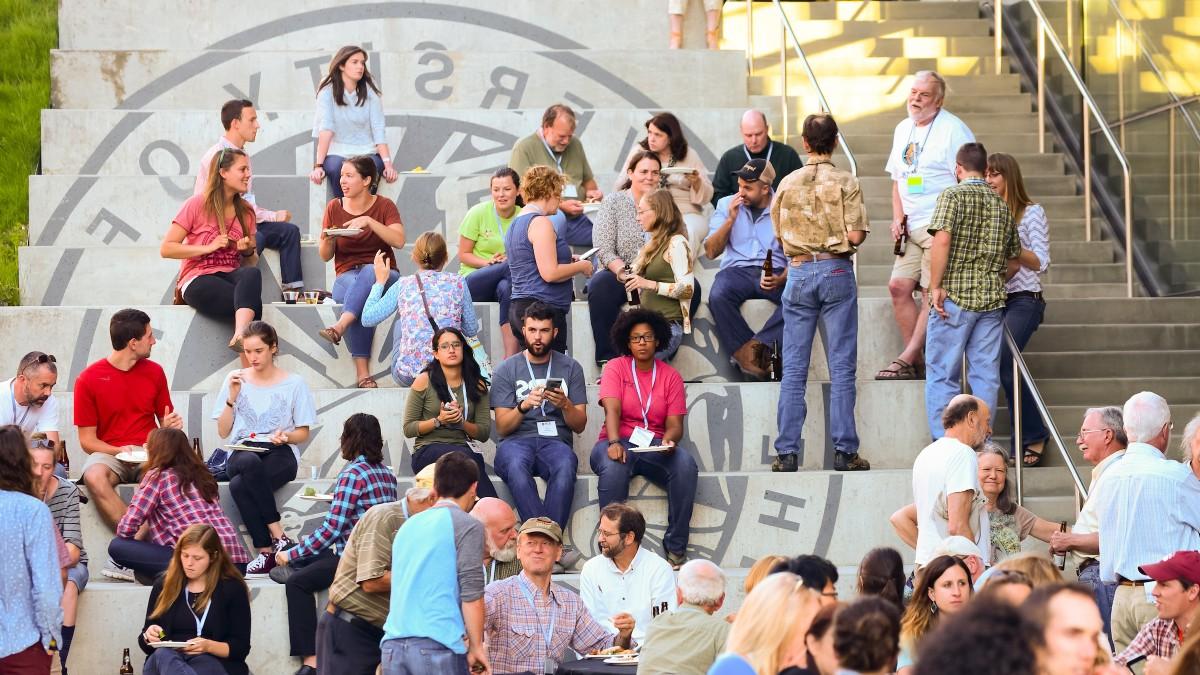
[236, 345]
[331, 334]
[368, 382]
[1030, 457]
[903, 371]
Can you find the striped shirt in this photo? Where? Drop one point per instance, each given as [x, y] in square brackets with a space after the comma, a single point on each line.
[1149, 508]
[982, 239]
[1035, 237]
[360, 486]
[64, 507]
[159, 502]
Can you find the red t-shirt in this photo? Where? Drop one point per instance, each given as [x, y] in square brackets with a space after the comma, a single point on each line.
[353, 251]
[202, 229]
[123, 405]
[666, 397]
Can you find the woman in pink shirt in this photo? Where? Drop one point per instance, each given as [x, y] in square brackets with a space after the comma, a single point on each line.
[213, 234]
[644, 404]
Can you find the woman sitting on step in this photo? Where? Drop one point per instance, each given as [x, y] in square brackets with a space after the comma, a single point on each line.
[176, 491]
[202, 601]
[429, 299]
[447, 408]
[483, 261]
[364, 482]
[213, 234]
[271, 411]
[380, 230]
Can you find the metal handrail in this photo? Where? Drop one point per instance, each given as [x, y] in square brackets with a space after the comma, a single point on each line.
[1151, 112]
[812, 76]
[1021, 374]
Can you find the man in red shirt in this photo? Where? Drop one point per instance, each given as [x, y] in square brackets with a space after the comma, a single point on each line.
[119, 400]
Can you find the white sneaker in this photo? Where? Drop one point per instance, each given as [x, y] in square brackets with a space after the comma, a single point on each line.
[115, 572]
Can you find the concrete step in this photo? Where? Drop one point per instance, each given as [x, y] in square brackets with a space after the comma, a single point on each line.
[861, 59]
[884, 121]
[878, 250]
[897, 86]
[1131, 311]
[1166, 363]
[872, 156]
[844, 95]
[1087, 389]
[1132, 337]
[1054, 185]
[428, 77]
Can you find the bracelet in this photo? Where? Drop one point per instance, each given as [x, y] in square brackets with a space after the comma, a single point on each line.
[387, 160]
[519, 403]
[229, 403]
[319, 165]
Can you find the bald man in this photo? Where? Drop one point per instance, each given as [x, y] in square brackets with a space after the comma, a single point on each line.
[756, 143]
[500, 544]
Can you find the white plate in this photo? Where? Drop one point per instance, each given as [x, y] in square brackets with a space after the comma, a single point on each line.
[319, 497]
[652, 448]
[606, 656]
[246, 448]
[343, 232]
[133, 457]
[619, 661]
[168, 644]
[676, 171]
[591, 207]
[411, 172]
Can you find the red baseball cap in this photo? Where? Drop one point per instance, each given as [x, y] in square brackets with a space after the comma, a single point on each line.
[1182, 565]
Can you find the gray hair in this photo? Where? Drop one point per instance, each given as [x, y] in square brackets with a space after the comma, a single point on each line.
[1190, 432]
[701, 583]
[1111, 419]
[1145, 415]
[418, 494]
[937, 79]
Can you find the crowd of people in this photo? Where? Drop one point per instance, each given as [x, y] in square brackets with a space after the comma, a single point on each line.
[785, 227]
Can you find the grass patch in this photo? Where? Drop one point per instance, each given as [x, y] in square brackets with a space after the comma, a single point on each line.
[28, 31]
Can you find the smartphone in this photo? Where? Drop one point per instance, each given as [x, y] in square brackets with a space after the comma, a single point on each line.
[554, 383]
[589, 253]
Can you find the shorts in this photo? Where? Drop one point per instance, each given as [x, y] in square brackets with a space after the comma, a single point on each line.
[678, 6]
[914, 264]
[78, 575]
[126, 472]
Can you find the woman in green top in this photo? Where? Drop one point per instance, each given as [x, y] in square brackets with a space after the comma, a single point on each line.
[447, 408]
[481, 249]
[662, 271]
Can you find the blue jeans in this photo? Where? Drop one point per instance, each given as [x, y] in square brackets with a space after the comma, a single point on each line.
[676, 472]
[351, 288]
[143, 557]
[1022, 316]
[420, 656]
[491, 284]
[518, 460]
[333, 173]
[732, 287]
[173, 662]
[976, 334]
[284, 238]
[824, 294]
[576, 230]
[1103, 592]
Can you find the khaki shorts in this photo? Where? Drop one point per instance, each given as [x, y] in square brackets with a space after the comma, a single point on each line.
[126, 472]
[914, 264]
[678, 6]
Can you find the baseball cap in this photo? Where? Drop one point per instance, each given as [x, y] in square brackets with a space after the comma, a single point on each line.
[1182, 565]
[757, 169]
[424, 478]
[543, 525]
[957, 546]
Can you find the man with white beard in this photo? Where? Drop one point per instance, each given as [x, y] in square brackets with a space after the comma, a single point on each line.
[500, 544]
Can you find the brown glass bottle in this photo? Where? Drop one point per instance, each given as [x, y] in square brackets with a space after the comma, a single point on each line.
[775, 363]
[768, 270]
[902, 242]
[126, 664]
[196, 447]
[634, 297]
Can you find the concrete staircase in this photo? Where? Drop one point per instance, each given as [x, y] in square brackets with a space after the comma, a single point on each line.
[135, 95]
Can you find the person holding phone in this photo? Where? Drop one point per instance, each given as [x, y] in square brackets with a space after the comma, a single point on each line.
[644, 405]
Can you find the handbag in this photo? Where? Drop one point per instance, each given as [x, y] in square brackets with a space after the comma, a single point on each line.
[477, 350]
[217, 462]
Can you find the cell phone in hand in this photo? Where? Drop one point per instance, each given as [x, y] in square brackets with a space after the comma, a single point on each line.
[554, 383]
[589, 253]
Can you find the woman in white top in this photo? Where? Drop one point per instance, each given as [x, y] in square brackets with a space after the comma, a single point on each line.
[266, 407]
[349, 120]
[1025, 308]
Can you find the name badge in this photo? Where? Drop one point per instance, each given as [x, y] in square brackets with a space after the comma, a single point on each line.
[641, 437]
[551, 665]
[916, 185]
[548, 429]
[570, 192]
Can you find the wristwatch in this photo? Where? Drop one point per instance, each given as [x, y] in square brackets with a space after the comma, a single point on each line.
[437, 423]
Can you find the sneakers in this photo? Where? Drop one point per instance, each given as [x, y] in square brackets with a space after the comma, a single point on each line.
[115, 572]
[306, 670]
[262, 565]
[676, 560]
[844, 462]
[784, 464]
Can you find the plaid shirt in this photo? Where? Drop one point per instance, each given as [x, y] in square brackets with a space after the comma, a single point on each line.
[515, 632]
[360, 486]
[982, 239]
[167, 511]
[1160, 637]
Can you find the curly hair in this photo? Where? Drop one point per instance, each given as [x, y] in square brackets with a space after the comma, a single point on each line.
[866, 635]
[542, 182]
[987, 638]
[623, 326]
[361, 435]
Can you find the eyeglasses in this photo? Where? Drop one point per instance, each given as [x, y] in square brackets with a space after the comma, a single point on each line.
[1084, 432]
[640, 339]
[992, 173]
[607, 535]
[829, 594]
[41, 444]
[46, 358]
[448, 346]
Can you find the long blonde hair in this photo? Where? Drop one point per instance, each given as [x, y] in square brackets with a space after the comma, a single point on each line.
[219, 566]
[778, 609]
[214, 193]
[668, 222]
[1014, 186]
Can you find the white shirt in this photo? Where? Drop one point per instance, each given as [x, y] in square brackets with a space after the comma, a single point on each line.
[945, 467]
[31, 419]
[1088, 521]
[606, 590]
[935, 146]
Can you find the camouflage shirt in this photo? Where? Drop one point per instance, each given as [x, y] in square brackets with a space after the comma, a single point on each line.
[815, 207]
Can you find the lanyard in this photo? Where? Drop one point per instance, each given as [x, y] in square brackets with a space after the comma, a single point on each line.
[489, 578]
[404, 506]
[18, 422]
[770, 149]
[549, 632]
[549, 367]
[199, 619]
[557, 158]
[499, 223]
[466, 404]
[918, 149]
[644, 407]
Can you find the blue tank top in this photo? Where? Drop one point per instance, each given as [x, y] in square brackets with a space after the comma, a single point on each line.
[526, 281]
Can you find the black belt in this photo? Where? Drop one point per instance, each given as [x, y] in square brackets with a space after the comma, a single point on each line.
[1036, 295]
[1122, 581]
[801, 258]
[371, 629]
[1087, 563]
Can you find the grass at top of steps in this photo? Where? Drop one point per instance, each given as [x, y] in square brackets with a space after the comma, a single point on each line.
[28, 31]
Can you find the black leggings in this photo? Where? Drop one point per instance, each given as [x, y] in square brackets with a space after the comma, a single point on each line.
[253, 479]
[220, 294]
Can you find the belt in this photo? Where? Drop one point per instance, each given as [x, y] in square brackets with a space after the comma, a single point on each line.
[802, 258]
[1036, 295]
[1087, 563]
[1122, 581]
[336, 612]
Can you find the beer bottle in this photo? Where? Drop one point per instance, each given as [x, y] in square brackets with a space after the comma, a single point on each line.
[196, 447]
[126, 664]
[768, 269]
[902, 242]
[633, 297]
[775, 364]
[1060, 558]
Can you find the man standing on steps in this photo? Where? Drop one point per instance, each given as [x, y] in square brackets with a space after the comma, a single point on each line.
[975, 247]
[820, 219]
[119, 400]
[921, 165]
[240, 120]
[1102, 442]
[740, 233]
[756, 144]
[555, 145]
